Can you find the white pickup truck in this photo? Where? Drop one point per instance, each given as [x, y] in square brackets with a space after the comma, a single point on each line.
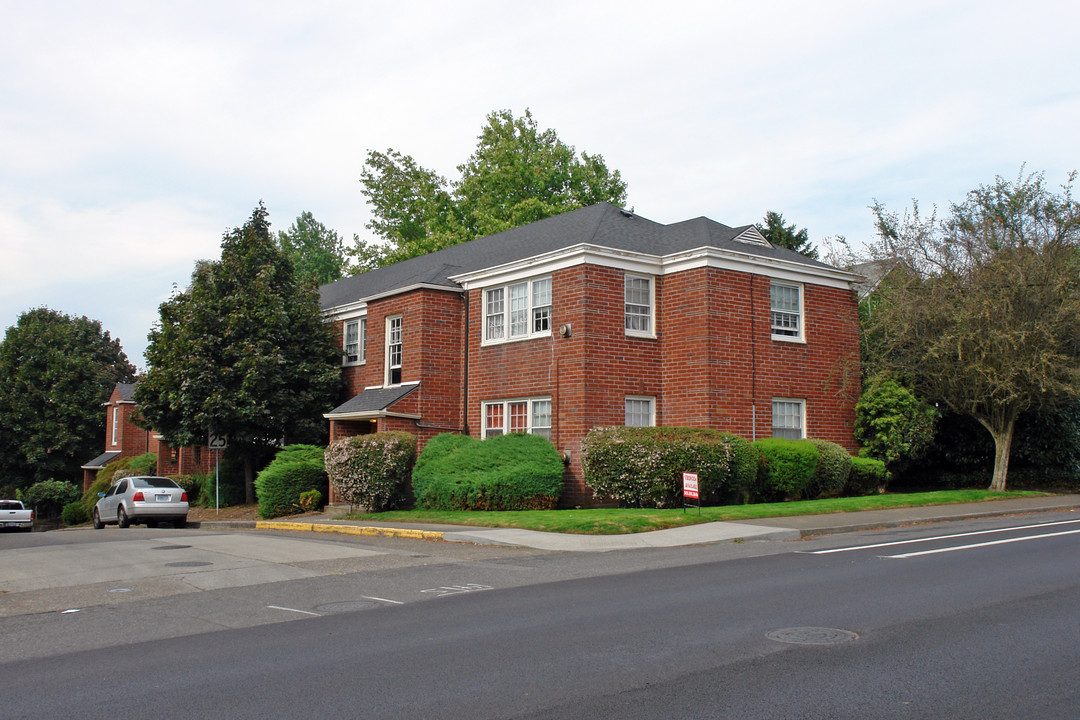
[14, 515]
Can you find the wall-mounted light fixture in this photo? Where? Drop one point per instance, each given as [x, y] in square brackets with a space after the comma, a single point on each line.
[565, 330]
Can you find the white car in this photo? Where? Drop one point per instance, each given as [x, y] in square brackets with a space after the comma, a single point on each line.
[145, 500]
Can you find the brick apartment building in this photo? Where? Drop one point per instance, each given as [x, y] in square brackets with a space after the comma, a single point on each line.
[600, 317]
[123, 438]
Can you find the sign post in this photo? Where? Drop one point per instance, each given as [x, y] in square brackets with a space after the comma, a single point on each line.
[217, 443]
[690, 491]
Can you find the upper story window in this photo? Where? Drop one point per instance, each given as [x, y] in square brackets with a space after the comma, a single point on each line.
[640, 412]
[525, 416]
[355, 341]
[638, 299]
[517, 311]
[393, 350]
[788, 418]
[786, 311]
[115, 424]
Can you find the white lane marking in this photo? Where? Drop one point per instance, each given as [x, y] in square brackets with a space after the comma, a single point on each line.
[937, 537]
[393, 602]
[985, 544]
[305, 612]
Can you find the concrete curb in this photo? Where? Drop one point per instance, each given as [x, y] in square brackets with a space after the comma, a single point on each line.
[349, 529]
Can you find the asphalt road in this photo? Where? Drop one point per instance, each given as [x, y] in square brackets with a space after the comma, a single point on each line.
[973, 626]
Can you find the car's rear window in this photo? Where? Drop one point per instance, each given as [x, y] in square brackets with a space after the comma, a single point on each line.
[10, 506]
[153, 482]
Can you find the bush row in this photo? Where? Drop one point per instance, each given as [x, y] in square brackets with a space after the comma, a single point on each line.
[644, 466]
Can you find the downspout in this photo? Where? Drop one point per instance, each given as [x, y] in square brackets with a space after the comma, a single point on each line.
[753, 364]
[467, 335]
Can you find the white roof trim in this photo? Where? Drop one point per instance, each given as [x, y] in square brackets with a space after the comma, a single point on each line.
[370, 415]
[359, 306]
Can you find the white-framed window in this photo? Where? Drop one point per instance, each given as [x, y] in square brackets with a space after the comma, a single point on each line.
[785, 301]
[789, 418]
[638, 300]
[354, 341]
[524, 415]
[640, 411]
[115, 424]
[518, 310]
[393, 350]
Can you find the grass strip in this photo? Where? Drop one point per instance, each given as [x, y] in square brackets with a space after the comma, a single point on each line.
[616, 521]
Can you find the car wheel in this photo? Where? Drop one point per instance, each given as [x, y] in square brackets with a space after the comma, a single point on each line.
[97, 520]
[122, 518]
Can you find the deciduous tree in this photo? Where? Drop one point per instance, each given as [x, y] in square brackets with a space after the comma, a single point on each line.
[987, 321]
[518, 174]
[316, 251]
[56, 370]
[243, 351]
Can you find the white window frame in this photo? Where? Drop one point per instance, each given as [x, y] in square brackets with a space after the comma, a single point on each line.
[781, 319]
[115, 424]
[799, 415]
[534, 416]
[361, 342]
[630, 408]
[514, 311]
[394, 339]
[649, 317]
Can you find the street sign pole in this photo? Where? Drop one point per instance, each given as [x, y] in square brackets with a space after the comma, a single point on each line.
[217, 443]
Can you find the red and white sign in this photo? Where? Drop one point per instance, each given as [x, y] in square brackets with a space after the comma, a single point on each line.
[689, 485]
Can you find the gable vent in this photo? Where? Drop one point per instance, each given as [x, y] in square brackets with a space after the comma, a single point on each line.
[751, 236]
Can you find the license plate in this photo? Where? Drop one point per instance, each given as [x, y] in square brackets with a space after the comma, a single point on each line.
[163, 498]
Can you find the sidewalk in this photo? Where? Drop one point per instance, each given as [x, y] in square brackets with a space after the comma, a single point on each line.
[789, 528]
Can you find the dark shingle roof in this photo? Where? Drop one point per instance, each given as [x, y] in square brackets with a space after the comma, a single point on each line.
[603, 224]
[101, 461]
[127, 391]
[373, 400]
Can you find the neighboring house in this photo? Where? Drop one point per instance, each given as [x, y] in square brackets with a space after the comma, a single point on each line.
[600, 317]
[123, 438]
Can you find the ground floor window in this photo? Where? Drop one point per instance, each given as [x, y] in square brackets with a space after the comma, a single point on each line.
[524, 415]
[640, 412]
[788, 418]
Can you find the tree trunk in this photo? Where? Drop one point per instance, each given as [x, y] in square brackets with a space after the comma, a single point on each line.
[249, 480]
[1001, 429]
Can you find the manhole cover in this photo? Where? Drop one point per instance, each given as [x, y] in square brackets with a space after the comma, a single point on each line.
[812, 636]
[348, 606]
[171, 547]
[188, 563]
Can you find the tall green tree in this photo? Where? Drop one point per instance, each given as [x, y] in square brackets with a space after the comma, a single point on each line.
[518, 174]
[986, 321]
[787, 236]
[56, 371]
[243, 352]
[316, 252]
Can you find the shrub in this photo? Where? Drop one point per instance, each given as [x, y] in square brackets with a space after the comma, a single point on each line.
[787, 468]
[295, 470]
[745, 463]
[192, 483]
[48, 497]
[892, 424]
[833, 468]
[228, 493]
[74, 513]
[643, 466]
[868, 476]
[507, 472]
[145, 464]
[311, 501]
[372, 470]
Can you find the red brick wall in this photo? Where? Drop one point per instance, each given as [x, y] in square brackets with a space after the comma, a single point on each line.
[713, 362]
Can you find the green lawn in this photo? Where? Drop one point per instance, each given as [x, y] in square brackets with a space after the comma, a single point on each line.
[613, 521]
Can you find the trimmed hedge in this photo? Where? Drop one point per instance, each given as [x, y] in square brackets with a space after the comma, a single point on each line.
[295, 470]
[507, 472]
[868, 476]
[833, 469]
[643, 466]
[74, 513]
[372, 470]
[787, 468]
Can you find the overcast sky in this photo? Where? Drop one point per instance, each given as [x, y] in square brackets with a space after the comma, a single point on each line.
[134, 134]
